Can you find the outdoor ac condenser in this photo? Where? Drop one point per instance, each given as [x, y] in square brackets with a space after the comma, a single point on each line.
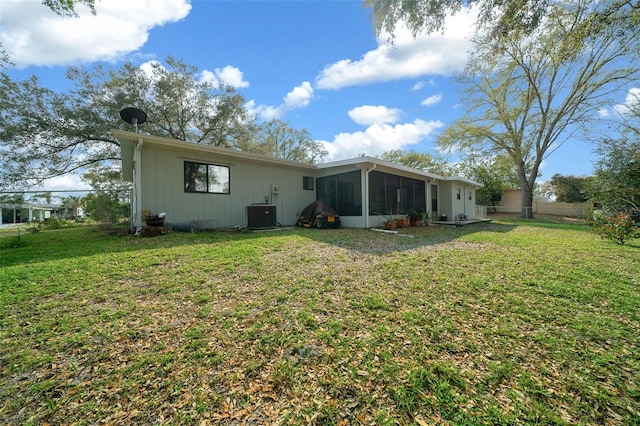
[260, 216]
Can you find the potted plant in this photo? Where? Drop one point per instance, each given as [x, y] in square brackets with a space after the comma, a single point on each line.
[389, 221]
[415, 217]
[426, 217]
[153, 219]
[402, 221]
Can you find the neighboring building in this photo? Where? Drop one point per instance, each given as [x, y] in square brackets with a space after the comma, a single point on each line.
[20, 213]
[193, 182]
[511, 202]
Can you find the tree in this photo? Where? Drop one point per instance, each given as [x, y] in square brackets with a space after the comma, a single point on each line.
[569, 189]
[496, 18]
[418, 160]
[47, 197]
[495, 173]
[616, 184]
[45, 134]
[103, 207]
[15, 199]
[540, 90]
[277, 139]
[68, 7]
[71, 203]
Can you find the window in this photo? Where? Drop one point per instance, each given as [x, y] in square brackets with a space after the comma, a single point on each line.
[207, 178]
[434, 198]
[307, 183]
[458, 193]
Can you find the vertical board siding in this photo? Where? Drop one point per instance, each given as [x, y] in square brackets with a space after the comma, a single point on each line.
[250, 182]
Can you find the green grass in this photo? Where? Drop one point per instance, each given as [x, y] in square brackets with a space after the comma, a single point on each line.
[499, 323]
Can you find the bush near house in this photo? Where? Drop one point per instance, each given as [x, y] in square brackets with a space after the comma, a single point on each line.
[619, 228]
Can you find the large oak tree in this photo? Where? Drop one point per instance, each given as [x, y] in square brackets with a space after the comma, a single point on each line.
[44, 134]
[496, 18]
[535, 81]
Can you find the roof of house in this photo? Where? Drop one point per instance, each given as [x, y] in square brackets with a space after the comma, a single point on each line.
[128, 139]
[373, 163]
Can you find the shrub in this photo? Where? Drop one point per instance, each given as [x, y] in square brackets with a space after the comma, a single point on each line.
[103, 207]
[56, 222]
[618, 228]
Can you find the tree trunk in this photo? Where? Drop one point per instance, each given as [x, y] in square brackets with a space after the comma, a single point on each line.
[526, 210]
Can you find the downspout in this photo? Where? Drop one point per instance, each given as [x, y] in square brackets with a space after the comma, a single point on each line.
[366, 196]
[464, 200]
[137, 188]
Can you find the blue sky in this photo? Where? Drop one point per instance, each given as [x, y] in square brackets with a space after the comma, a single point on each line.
[314, 64]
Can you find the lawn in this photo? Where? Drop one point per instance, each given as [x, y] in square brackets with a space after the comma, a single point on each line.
[496, 323]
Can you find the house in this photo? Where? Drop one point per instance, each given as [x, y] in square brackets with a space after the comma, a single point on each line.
[192, 182]
[20, 213]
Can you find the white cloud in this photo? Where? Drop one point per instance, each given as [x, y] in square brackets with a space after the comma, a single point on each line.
[379, 138]
[228, 75]
[33, 35]
[148, 66]
[66, 182]
[422, 84]
[369, 114]
[299, 97]
[408, 57]
[631, 101]
[432, 100]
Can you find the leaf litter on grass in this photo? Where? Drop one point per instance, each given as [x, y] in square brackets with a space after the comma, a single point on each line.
[345, 327]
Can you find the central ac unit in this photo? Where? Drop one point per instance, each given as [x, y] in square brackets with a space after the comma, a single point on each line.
[261, 216]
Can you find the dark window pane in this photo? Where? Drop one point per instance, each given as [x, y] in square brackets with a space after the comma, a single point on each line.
[434, 198]
[392, 194]
[376, 193]
[307, 183]
[195, 177]
[420, 201]
[327, 190]
[349, 194]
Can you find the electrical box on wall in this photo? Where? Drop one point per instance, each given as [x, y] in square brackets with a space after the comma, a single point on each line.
[275, 189]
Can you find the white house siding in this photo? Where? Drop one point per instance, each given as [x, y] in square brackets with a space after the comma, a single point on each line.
[160, 185]
[445, 200]
[449, 204]
[250, 182]
[511, 201]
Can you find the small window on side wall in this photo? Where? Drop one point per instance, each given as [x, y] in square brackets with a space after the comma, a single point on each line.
[307, 183]
[458, 194]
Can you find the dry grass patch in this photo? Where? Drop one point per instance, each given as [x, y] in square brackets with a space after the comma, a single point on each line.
[497, 323]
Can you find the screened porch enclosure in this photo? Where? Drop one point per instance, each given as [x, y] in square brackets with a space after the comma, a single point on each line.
[388, 193]
[343, 192]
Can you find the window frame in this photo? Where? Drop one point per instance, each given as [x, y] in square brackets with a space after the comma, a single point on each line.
[206, 179]
[308, 183]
